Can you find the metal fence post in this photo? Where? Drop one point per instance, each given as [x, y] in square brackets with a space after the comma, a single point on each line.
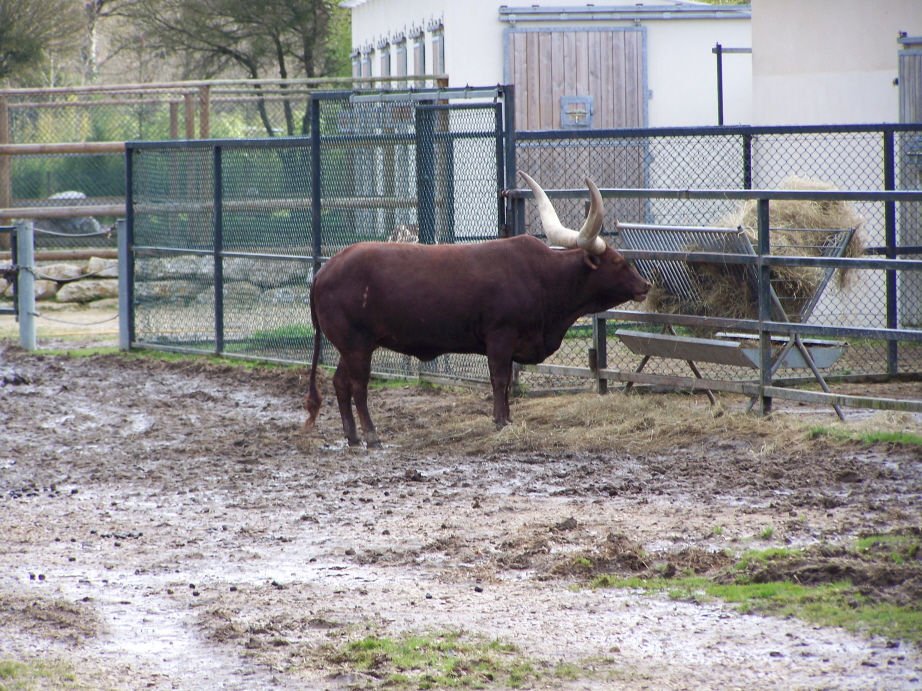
[890, 247]
[425, 173]
[765, 309]
[600, 346]
[218, 247]
[25, 255]
[125, 287]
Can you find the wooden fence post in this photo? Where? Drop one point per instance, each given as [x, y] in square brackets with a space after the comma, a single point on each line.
[6, 179]
[204, 112]
[189, 103]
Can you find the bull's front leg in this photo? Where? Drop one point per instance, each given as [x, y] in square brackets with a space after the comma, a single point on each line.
[500, 362]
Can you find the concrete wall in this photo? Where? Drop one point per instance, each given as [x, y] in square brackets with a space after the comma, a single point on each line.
[820, 62]
[680, 66]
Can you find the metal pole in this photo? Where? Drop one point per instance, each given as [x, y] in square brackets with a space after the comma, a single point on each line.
[747, 161]
[25, 254]
[124, 287]
[765, 310]
[515, 209]
[718, 50]
[218, 253]
[890, 242]
[316, 189]
[425, 174]
[600, 343]
[126, 266]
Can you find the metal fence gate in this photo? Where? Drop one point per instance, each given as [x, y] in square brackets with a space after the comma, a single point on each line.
[225, 235]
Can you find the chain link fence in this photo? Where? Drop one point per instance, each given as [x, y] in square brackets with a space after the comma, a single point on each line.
[227, 233]
[862, 158]
[231, 110]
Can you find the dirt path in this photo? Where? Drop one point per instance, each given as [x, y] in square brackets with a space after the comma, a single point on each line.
[166, 526]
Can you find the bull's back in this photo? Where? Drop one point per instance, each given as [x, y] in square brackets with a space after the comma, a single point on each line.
[421, 299]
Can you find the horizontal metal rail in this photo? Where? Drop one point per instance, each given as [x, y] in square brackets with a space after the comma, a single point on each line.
[730, 195]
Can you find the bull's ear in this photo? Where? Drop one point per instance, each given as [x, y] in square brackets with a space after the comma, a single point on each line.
[592, 261]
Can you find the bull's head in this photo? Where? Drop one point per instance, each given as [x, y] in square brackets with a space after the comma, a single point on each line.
[586, 238]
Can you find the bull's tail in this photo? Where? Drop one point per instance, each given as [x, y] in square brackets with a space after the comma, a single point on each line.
[314, 399]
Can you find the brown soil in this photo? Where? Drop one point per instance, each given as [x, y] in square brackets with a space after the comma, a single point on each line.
[167, 526]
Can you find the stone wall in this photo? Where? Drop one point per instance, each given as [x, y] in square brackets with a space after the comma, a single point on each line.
[183, 279]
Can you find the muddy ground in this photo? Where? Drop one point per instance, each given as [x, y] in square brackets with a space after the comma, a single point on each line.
[166, 525]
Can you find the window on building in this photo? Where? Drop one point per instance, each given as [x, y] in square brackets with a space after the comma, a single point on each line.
[438, 48]
[356, 64]
[368, 55]
[400, 54]
[384, 50]
[419, 57]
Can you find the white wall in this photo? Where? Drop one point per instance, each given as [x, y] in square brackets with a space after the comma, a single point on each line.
[681, 69]
[820, 62]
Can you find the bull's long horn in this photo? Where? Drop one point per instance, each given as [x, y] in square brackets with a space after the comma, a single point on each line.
[589, 239]
[557, 234]
[561, 236]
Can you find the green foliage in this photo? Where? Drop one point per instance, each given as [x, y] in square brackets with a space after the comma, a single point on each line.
[444, 660]
[767, 534]
[868, 438]
[35, 674]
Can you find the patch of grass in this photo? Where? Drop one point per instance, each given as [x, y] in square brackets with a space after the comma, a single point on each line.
[828, 604]
[764, 556]
[717, 530]
[88, 351]
[767, 534]
[35, 674]
[443, 660]
[867, 437]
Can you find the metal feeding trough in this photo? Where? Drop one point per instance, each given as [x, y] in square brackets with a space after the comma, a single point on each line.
[736, 350]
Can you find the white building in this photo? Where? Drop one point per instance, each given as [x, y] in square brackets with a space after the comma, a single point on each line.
[642, 64]
[825, 62]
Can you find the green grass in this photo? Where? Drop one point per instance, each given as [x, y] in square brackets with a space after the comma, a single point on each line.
[866, 438]
[767, 534]
[36, 674]
[444, 660]
[828, 604]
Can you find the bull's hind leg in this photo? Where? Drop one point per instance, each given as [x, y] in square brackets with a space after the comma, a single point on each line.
[360, 370]
[341, 383]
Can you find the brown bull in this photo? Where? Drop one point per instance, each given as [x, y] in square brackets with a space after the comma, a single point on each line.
[511, 300]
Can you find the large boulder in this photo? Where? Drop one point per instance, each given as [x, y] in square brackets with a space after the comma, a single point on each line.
[88, 290]
[70, 226]
[168, 291]
[61, 272]
[180, 266]
[267, 273]
[102, 268]
[233, 291]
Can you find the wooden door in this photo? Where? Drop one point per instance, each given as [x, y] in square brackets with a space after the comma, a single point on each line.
[548, 65]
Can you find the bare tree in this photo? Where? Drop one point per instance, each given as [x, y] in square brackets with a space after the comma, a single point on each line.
[34, 34]
[266, 39]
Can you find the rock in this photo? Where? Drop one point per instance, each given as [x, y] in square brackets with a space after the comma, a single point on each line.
[167, 290]
[88, 290]
[235, 290]
[44, 289]
[72, 226]
[102, 268]
[288, 295]
[267, 273]
[61, 272]
[182, 266]
[105, 303]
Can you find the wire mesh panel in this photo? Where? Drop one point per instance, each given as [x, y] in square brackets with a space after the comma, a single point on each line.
[227, 234]
[833, 158]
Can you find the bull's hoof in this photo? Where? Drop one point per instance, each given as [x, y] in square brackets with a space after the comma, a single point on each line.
[355, 442]
[500, 424]
[374, 444]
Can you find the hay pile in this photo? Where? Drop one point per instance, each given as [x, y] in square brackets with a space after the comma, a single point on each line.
[799, 228]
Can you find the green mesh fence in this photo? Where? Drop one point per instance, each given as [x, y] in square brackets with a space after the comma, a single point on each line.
[272, 210]
[748, 158]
